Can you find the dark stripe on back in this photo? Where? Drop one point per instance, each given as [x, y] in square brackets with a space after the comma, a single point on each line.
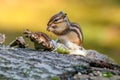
[74, 30]
[78, 27]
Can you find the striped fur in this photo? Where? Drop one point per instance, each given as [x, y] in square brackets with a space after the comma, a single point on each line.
[60, 25]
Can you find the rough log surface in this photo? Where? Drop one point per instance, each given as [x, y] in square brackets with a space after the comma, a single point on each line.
[28, 64]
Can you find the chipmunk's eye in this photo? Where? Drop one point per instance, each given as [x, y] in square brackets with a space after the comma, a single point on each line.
[56, 19]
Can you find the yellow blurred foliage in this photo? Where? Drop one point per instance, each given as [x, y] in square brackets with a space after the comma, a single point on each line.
[27, 13]
[34, 14]
[99, 19]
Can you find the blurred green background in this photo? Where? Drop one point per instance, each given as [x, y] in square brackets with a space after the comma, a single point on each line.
[99, 19]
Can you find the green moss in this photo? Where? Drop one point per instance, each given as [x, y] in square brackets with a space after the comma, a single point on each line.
[63, 50]
[55, 78]
[107, 74]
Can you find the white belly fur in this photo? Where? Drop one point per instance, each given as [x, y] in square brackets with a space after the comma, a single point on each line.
[73, 48]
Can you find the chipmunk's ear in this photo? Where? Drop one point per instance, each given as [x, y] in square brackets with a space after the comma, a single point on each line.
[65, 13]
[27, 29]
[62, 12]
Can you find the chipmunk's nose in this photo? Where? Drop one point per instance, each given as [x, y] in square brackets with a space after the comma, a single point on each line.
[48, 28]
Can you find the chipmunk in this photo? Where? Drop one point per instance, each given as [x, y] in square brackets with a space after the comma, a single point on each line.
[2, 38]
[66, 31]
[41, 40]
